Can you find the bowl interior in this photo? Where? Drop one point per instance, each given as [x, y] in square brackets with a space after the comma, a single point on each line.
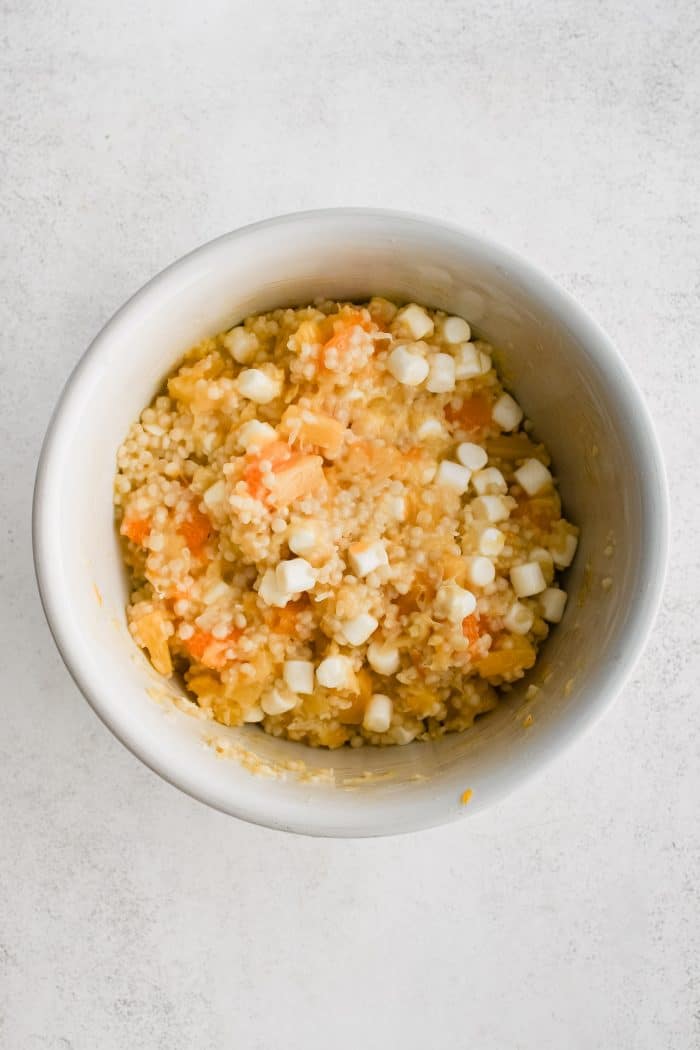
[570, 384]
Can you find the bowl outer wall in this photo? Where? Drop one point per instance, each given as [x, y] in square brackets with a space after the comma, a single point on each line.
[440, 804]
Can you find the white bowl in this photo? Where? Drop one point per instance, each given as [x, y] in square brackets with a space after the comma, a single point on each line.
[573, 385]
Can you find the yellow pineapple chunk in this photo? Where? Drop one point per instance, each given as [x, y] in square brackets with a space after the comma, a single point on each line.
[506, 662]
[148, 631]
[183, 386]
[314, 428]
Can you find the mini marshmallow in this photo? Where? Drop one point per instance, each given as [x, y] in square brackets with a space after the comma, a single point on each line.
[490, 508]
[414, 322]
[441, 377]
[301, 539]
[491, 542]
[453, 603]
[473, 456]
[270, 592]
[258, 386]
[241, 344]
[544, 560]
[366, 557]
[489, 482]
[383, 658]
[299, 676]
[552, 603]
[277, 700]
[533, 477]
[255, 434]
[564, 556]
[407, 368]
[377, 717]
[519, 619]
[359, 629]
[480, 571]
[453, 476]
[295, 575]
[455, 330]
[254, 714]
[507, 413]
[401, 735]
[469, 362]
[335, 672]
[431, 428]
[527, 579]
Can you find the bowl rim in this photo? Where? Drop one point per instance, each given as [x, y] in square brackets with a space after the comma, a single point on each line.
[520, 769]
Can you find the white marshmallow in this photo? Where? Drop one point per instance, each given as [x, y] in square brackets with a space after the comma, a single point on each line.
[441, 377]
[295, 575]
[254, 714]
[383, 658]
[301, 539]
[255, 434]
[480, 571]
[377, 718]
[519, 619]
[489, 482]
[544, 559]
[533, 477]
[241, 344]
[299, 676]
[507, 413]
[270, 592]
[453, 603]
[277, 700]
[407, 368]
[455, 330]
[489, 508]
[564, 556]
[258, 386]
[366, 557]
[401, 735]
[453, 476]
[359, 629]
[414, 322]
[335, 672]
[552, 603]
[527, 579]
[473, 456]
[431, 428]
[491, 542]
[469, 362]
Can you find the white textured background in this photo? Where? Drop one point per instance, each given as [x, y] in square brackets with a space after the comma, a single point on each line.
[132, 917]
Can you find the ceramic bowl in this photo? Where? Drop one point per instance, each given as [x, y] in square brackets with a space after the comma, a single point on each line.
[571, 382]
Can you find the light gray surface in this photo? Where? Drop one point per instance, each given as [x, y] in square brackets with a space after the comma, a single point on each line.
[133, 917]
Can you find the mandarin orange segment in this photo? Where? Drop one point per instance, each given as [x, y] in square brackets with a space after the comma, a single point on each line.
[136, 529]
[195, 530]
